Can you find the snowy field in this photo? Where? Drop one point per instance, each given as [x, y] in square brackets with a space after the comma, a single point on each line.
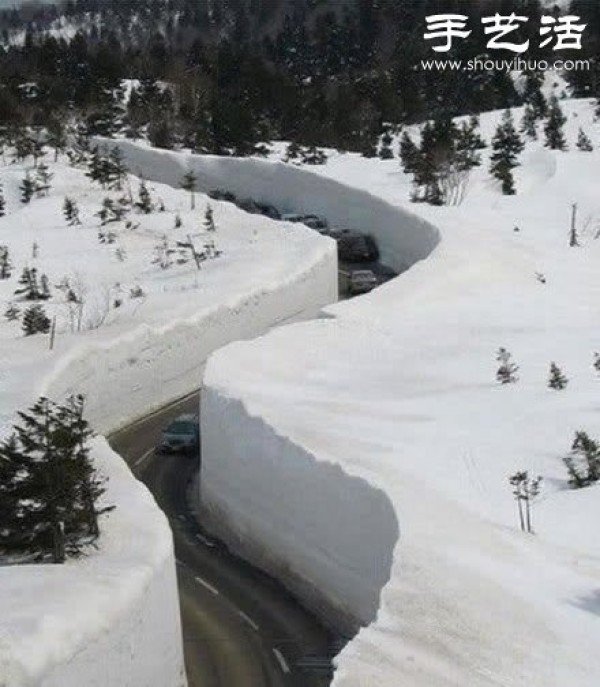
[136, 337]
[398, 391]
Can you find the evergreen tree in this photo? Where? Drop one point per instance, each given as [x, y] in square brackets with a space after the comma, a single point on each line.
[144, 204]
[557, 380]
[507, 372]
[163, 254]
[5, 263]
[35, 321]
[71, 212]
[385, 150]
[525, 490]
[533, 94]
[188, 183]
[506, 145]
[110, 211]
[596, 363]
[209, 222]
[583, 463]
[555, 139]
[178, 221]
[2, 202]
[583, 142]
[50, 488]
[29, 285]
[529, 123]
[292, 152]
[27, 189]
[117, 169]
[45, 287]
[12, 312]
[409, 154]
[43, 177]
[313, 156]
[56, 136]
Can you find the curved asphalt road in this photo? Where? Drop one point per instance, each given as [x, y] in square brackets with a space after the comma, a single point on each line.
[240, 627]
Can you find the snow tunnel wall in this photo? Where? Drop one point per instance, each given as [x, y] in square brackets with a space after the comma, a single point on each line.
[402, 237]
[306, 522]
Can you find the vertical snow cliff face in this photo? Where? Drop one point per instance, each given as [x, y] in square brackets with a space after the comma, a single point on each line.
[328, 536]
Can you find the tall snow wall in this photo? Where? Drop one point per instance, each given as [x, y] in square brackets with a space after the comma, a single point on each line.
[403, 238]
[328, 536]
[121, 628]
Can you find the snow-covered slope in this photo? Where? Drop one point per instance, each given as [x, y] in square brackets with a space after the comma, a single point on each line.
[112, 618]
[397, 391]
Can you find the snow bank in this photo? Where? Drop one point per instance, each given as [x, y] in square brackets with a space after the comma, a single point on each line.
[397, 390]
[109, 620]
[403, 237]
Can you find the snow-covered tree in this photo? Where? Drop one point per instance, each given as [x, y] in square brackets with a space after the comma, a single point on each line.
[409, 153]
[178, 221]
[525, 490]
[117, 169]
[35, 321]
[110, 211]
[12, 312]
[553, 129]
[163, 254]
[144, 203]
[29, 287]
[27, 189]
[507, 372]
[596, 362]
[2, 202]
[5, 263]
[583, 463]
[529, 123]
[71, 212]
[385, 149]
[188, 183]
[583, 142]
[50, 487]
[557, 380]
[209, 220]
[507, 146]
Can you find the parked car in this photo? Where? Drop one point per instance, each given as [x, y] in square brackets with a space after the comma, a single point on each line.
[353, 247]
[182, 435]
[315, 222]
[361, 281]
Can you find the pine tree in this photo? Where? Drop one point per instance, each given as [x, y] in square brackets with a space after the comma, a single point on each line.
[163, 254]
[209, 222]
[596, 363]
[385, 151]
[144, 204]
[506, 145]
[118, 169]
[12, 312]
[557, 380]
[525, 490]
[49, 487]
[178, 221]
[533, 94]
[292, 152]
[110, 211]
[529, 123]
[188, 183]
[45, 288]
[27, 189]
[583, 463]
[409, 153]
[5, 263]
[43, 177]
[583, 142]
[56, 136]
[29, 289]
[553, 129]
[2, 202]
[71, 212]
[35, 321]
[507, 372]
[313, 156]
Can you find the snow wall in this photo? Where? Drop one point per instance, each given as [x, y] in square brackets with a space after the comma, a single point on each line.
[328, 536]
[403, 238]
[123, 628]
[110, 620]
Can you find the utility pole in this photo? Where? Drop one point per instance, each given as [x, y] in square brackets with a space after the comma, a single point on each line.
[573, 241]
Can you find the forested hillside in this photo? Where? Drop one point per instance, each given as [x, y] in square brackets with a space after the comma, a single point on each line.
[223, 75]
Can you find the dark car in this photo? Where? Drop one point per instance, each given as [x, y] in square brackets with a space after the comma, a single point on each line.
[354, 247]
[182, 435]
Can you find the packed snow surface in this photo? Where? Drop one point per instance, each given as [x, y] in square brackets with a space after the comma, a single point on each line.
[136, 337]
[398, 390]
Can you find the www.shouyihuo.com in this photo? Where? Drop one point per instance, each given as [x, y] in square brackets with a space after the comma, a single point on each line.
[516, 64]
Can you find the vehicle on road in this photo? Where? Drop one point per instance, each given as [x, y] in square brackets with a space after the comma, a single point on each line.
[361, 281]
[355, 247]
[182, 435]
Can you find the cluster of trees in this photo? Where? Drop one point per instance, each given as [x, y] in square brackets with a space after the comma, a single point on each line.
[49, 488]
[223, 77]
